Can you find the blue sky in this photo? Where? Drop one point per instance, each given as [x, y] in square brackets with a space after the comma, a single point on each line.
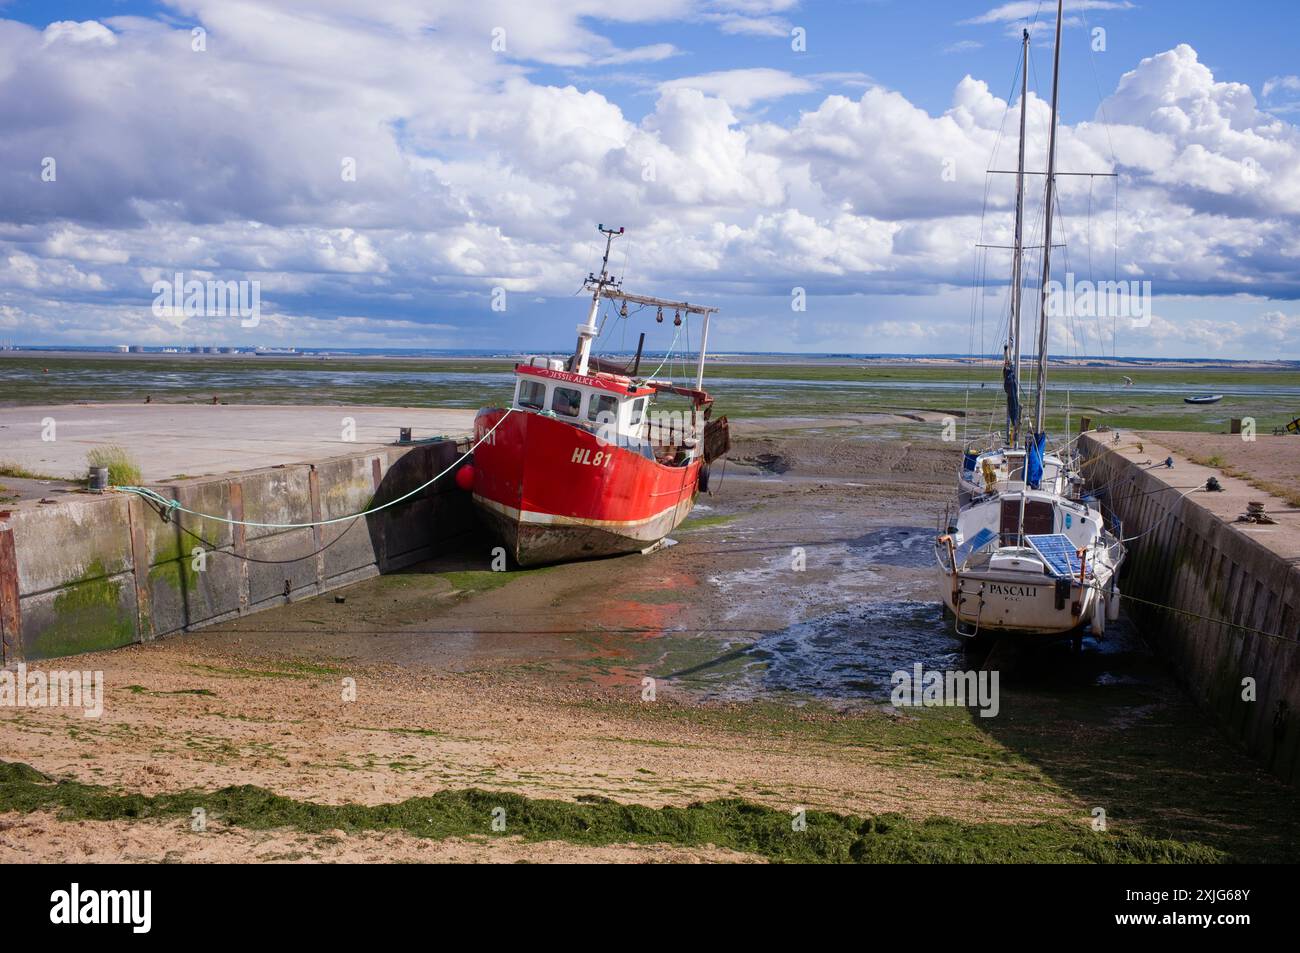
[924, 47]
[921, 47]
[743, 168]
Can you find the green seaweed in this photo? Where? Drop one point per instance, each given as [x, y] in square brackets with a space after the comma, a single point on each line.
[141, 690]
[275, 668]
[730, 823]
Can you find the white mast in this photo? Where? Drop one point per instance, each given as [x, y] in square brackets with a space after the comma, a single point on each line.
[588, 331]
[1016, 263]
[704, 343]
[1041, 408]
[1047, 272]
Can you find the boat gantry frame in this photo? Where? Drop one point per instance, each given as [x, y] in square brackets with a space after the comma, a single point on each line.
[611, 288]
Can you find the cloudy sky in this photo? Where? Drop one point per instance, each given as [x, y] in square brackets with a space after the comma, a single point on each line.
[380, 167]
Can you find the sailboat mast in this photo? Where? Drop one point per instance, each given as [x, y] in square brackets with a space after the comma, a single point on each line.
[1040, 410]
[1016, 262]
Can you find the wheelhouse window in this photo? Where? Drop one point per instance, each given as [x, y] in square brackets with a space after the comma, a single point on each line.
[638, 411]
[532, 395]
[566, 401]
[602, 404]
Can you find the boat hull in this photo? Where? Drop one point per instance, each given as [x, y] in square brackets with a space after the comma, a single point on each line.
[1002, 603]
[552, 492]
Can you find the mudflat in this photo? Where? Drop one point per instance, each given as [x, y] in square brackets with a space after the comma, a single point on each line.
[725, 698]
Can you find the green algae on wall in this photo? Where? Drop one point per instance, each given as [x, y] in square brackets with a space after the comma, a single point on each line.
[179, 574]
[88, 616]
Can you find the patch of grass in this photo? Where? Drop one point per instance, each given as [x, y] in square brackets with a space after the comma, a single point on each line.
[122, 470]
[729, 823]
[1279, 490]
[17, 472]
[1291, 496]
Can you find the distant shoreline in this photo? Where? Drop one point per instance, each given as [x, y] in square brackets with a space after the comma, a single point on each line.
[714, 360]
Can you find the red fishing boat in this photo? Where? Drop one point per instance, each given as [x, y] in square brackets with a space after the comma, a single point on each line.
[588, 459]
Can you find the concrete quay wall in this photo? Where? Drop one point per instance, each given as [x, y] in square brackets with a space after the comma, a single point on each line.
[1236, 584]
[93, 572]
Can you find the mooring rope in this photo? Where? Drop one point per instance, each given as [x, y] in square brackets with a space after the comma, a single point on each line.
[174, 505]
[1196, 615]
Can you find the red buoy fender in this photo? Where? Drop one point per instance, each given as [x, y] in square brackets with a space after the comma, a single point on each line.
[465, 477]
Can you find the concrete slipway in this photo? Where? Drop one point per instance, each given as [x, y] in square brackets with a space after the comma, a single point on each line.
[169, 440]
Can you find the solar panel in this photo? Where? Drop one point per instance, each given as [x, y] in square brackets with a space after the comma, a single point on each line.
[1057, 550]
[974, 544]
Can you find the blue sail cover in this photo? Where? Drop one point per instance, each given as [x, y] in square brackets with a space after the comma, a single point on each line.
[1012, 387]
[1035, 447]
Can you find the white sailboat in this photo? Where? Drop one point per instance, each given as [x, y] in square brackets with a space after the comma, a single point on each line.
[1029, 553]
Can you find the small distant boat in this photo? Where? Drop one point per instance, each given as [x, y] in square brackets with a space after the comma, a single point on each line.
[1203, 399]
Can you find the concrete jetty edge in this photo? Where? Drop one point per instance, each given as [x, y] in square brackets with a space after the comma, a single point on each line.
[1233, 588]
[93, 571]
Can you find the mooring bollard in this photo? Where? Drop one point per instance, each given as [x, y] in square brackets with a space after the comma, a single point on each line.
[404, 435]
[98, 479]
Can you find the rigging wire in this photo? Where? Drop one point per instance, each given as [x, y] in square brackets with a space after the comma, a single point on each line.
[980, 267]
[667, 356]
